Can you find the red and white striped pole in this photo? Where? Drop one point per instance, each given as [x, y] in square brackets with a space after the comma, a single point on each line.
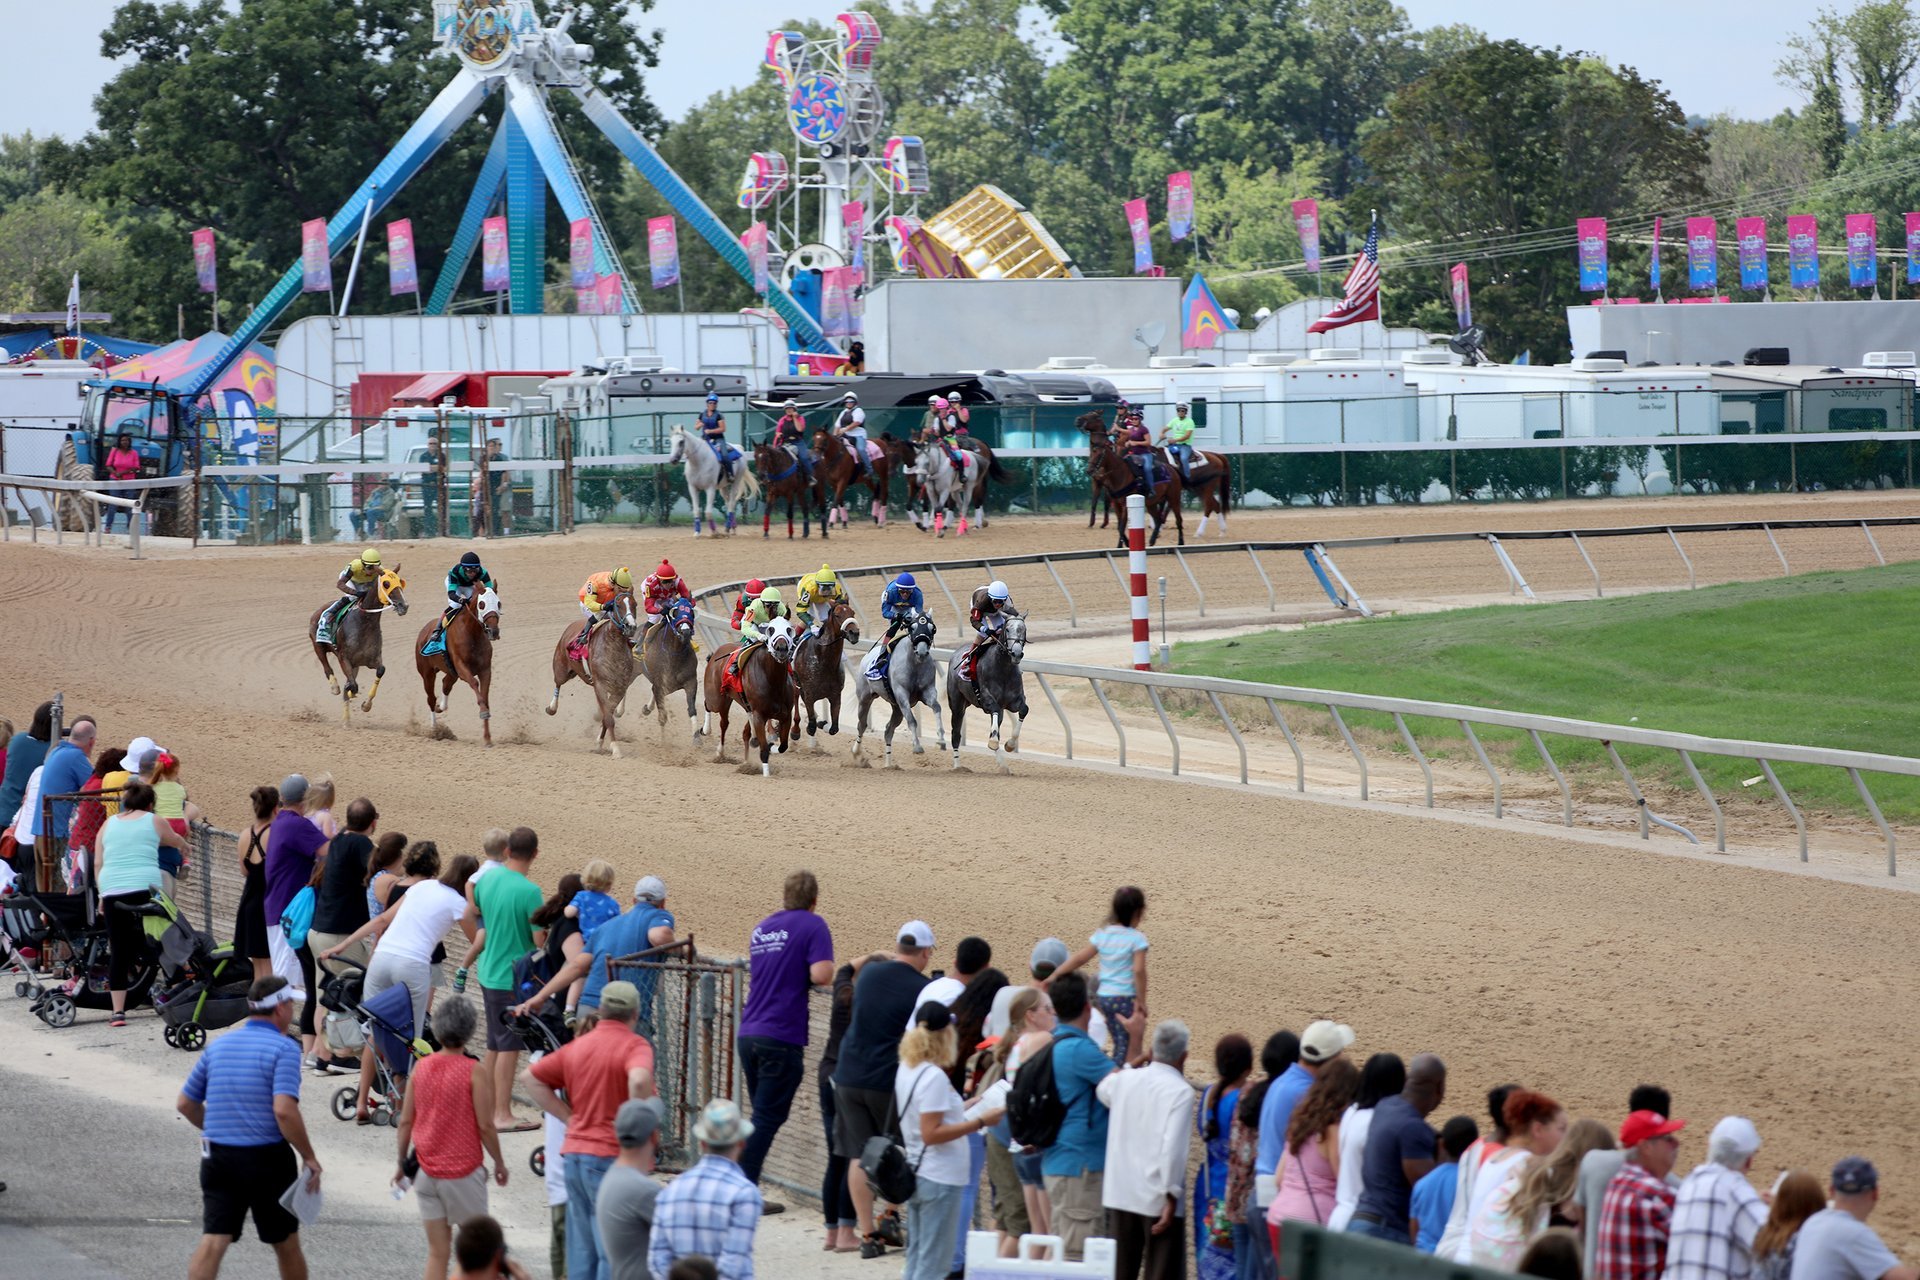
[1137, 581]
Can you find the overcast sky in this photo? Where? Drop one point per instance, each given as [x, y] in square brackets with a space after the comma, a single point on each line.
[1709, 61]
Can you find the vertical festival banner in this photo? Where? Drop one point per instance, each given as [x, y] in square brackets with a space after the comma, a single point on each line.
[1591, 236]
[1863, 263]
[1703, 253]
[754, 241]
[1462, 298]
[1306, 220]
[663, 250]
[1179, 205]
[580, 252]
[1653, 265]
[403, 273]
[494, 273]
[612, 295]
[836, 302]
[205, 265]
[853, 215]
[1141, 231]
[1750, 234]
[1803, 251]
[586, 300]
[1913, 248]
[316, 265]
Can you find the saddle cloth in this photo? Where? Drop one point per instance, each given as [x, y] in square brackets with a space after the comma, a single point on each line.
[436, 644]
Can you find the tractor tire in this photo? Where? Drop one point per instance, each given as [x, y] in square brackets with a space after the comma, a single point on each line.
[68, 508]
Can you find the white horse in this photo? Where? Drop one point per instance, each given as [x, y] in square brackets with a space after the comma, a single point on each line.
[947, 487]
[702, 470]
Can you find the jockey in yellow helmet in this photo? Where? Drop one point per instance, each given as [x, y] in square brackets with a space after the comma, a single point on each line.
[360, 576]
[818, 593]
[600, 591]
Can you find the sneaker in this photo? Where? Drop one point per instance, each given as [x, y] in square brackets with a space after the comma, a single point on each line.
[890, 1229]
[873, 1247]
[117, 1020]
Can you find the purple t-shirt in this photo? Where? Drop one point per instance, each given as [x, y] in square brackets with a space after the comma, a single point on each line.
[293, 842]
[783, 947]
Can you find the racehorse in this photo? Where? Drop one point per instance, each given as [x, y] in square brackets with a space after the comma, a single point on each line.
[786, 478]
[901, 457]
[837, 471]
[1097, 430]
[997, 687]
[608, 667]
[703, 476]
[467, 657]
[947, 489]
[356, 640]
[1108, 468]
[911, 678]
[765, 689]
[668, 659]
[817, 671]
[970, 490]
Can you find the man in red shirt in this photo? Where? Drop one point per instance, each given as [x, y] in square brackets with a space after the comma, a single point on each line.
[1636, 1217]
[598, 1070]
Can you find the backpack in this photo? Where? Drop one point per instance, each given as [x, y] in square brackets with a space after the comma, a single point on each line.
[884, 1160]
[1034, 1109]
[531, 972]
[298, 918]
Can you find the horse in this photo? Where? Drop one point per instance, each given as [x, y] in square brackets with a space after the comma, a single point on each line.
[838, 470]
[818, 673]
[992, 470]
[670, 662]
[1096, 429]
[1117, 477]
[1208, 478]
[466, 657]
[356, 640]
[702, 469]
[997, 687]
[766, 691]
[947, 489]
[911, 678]
[786, 478]
[608, 666]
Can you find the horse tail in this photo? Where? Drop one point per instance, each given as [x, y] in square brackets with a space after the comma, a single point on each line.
[750, 490]
[1226, 490]
[995, 470]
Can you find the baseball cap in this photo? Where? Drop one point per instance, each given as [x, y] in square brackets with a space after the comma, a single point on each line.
[918, 933]
[652, 888]
[1641, 1125]
[619, 999]
[933, 1015]
[1733, 1139]
[637, 1120]
[1325, 1040]
[1855, 1174]
[721, 1124]
[293, 789]
[1048, 952]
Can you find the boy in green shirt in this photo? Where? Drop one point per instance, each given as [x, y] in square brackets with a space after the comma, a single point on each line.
[506, 900]
[1177, 435]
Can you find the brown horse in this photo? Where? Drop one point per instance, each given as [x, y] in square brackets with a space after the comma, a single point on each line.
[1096, 429]
[467, 658]
[837, 471]
[818, 672]
[670, 661]
[766, 692]
[1208, 478]
[900, 458]
[782, 476]
[608, 667]
[356, 640]
[1108, 468]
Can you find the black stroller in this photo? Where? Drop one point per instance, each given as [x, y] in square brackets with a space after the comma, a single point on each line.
[204, 985]
[74, 926]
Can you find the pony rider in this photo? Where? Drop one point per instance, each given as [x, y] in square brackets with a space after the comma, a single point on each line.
[769, 605]
[898, 603]
[851, 426]
[792, 430]
[661, 591]
[358, 578]
[988, 613]
[1177, 435]
[713, 429]
[818, 593]
[747, 596]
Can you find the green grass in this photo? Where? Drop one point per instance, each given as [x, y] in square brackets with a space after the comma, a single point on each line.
[1819, 660]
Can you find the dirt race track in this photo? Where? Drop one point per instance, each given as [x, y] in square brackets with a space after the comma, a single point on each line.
[1577, 966]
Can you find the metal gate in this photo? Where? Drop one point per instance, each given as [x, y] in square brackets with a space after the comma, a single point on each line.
[690, 1009]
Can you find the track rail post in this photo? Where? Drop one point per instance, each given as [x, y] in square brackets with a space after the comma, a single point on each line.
[1692, 584]
[1272, 604]
[1785, 572]
[1873, 807]
[1153, 692]
[1299, 760]
[1793, 811]
[1700, 784]
[1868, 530]
[1566, 793]
[1582, 549]
[1499, 809]
[1358, 757]
[1233, 731]
[1633, 787]
[1119, 734]
[1406, 736]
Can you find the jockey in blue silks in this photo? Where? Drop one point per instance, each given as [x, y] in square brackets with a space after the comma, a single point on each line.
[898, 603]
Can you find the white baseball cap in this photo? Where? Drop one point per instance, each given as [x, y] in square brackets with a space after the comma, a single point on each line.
[918, 933]
[652, 888]
[1324, 1041]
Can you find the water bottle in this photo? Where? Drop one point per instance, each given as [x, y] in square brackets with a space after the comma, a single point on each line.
[460, 979]
[401, 1188]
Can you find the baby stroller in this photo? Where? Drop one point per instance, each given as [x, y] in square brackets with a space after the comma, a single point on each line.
[74, 925]
[543, 1033]
[382, 1024]
[204, 986]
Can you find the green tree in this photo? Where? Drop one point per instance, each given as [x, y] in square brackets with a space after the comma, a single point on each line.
[44, 239]
[1360, 52]
[1747, 157]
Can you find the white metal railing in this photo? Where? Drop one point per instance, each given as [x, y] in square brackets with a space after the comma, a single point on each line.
[89, 493]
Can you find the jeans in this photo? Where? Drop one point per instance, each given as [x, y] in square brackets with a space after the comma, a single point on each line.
[836, 1197]
[1358, 1227]
[586, 1258]
[969, 1195]
[1252, 1246]
[774, 1070]
[933, 1225]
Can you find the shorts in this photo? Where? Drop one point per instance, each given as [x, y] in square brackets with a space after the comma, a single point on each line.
[858, 1115]
[1026, 1167]
[452, 1199]
[236, 1181]
[1009, 1202]
[500, 1036]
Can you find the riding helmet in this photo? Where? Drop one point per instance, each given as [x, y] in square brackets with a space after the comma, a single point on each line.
[997, 590]
[471, 558]
[755, 587]
[370, 556]
[825, 574]
[623, 578]
[792, 403]
[712, 398]
[665, 572]
[940, 403]
[904, 580]
[772, 596]
[850, 398]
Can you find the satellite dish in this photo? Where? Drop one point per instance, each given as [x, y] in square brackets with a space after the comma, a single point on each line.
[810, 257]
[1150, 335]
[1261, 315]
[1232, 314]
[1470, 345]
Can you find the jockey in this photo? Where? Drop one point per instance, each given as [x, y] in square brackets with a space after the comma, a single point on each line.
[466, 578]
[1140, 447]
[898, 603]
[988, 613]
[747, 597]
[770, 604]
[817, 595]
[792, 430]
[600, 591]
[358, 578]
[713, 429]
[851, 426]
[949, 420]
[1177, 435]
[662, 588]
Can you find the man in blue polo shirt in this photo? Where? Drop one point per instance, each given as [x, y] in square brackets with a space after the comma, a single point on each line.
[243, 1094]
[645, 925]
[1074, 1167]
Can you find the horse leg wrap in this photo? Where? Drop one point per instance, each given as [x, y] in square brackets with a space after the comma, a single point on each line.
[696, 526]
[963, 526]
[939, 524]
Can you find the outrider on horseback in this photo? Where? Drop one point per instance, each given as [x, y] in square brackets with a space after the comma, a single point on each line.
[349, 628]
[786, 470]
[714, 470]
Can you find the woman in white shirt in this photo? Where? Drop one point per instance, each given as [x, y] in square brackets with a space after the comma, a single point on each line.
[934, 1124]
[1503, 1218]
[409, 929]
[1382, 1077]
[1030, 1024]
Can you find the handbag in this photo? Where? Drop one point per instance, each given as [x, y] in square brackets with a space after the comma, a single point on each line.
[298, 918]
[884, 1160]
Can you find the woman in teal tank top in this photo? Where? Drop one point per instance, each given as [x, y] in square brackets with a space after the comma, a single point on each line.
[127, 873]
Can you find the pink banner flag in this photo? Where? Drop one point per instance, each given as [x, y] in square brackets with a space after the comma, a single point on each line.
[580, 252]
[1703, 253]
[1141, 231]
[613, 296]
[836, 302]
[1590, 235]
[1653, 265]
[205, 266]
[1462, 297]
[316, 264]
[1750, 237]
[854, 214]
[754, 241]
[586, 300]
[1913, 248]
[1179, 205]
[1803, 251]
[495, 275]
[403, 274]
[1863, 262]
[1306, 220]
[663, 250]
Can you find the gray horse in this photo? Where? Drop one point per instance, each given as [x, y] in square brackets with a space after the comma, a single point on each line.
[912, 677]
[669, 661]
[997, 687]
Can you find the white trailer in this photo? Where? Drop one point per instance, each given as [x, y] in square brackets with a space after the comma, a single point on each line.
[40, 402]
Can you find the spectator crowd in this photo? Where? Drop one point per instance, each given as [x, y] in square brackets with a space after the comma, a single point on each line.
[1054, 1104]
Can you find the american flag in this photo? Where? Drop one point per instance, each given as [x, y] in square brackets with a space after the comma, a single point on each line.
[1362, 300]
